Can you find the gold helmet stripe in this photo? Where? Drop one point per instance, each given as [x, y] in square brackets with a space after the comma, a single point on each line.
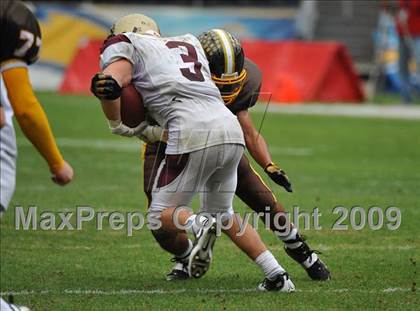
[228, 49]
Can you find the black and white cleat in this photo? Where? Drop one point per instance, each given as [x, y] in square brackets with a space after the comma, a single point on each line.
[202, 252]
[281, 283]
[309, 260]
[180, 271]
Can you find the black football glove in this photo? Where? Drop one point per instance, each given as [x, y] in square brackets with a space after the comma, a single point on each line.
[278, 176]
[105, 87]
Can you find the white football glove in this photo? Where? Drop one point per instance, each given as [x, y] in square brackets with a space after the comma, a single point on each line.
[146, 132]
[119, 128]
[150, 133]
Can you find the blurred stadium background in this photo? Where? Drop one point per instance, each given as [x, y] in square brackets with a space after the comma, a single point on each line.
[309, 51]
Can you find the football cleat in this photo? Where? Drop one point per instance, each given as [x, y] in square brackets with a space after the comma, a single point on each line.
[309, 260]
[201, 254]
[179, 271]
[281, 283]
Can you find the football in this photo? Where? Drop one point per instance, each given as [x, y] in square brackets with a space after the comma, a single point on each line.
[132, 108]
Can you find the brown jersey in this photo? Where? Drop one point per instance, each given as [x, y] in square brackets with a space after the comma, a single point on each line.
[251, 89]
[20, 33]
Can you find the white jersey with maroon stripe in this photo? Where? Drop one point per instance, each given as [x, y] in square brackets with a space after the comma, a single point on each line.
[173, 77]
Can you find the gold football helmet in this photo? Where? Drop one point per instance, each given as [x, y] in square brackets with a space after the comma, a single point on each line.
[137, 23]
[226, 60]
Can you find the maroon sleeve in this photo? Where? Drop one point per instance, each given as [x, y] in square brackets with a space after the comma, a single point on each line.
[112, 40]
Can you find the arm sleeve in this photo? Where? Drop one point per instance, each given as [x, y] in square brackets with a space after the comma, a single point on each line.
[30, 115]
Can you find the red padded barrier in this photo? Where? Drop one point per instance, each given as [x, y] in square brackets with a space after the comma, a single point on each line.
[84, 65]
[295, 71]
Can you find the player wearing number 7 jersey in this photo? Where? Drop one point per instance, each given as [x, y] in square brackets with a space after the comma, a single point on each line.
[20, 44]
[20, 41]
[205, 141]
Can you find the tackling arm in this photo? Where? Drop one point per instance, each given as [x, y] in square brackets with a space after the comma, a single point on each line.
[258, 149]
[254, 141]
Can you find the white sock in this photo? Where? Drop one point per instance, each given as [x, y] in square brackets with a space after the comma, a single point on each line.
[269, 265]
[290, 237]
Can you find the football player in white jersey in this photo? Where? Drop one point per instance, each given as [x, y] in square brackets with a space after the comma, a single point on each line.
[205, 141]
[239, 86]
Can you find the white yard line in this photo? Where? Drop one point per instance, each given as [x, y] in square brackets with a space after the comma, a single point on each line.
[124, 292]
[349, 110]
[125, 145]
[288, 151]
[368, 247]
[318, 247]
[96, 144]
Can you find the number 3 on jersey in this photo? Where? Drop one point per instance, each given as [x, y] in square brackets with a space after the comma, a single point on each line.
[191, 57]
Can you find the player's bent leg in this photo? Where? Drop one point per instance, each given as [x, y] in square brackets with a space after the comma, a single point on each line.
[216, 195]
[173, 243]
[178, 180]
[216, 199]
[276, 278]
[307, 258]
[247, 240]
[258, 196]
[180, 246]
[198, 257]
[252, 190]
[177, 244]
[169, 234]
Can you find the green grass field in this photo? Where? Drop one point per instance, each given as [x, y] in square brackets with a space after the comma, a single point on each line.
[331, 161]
